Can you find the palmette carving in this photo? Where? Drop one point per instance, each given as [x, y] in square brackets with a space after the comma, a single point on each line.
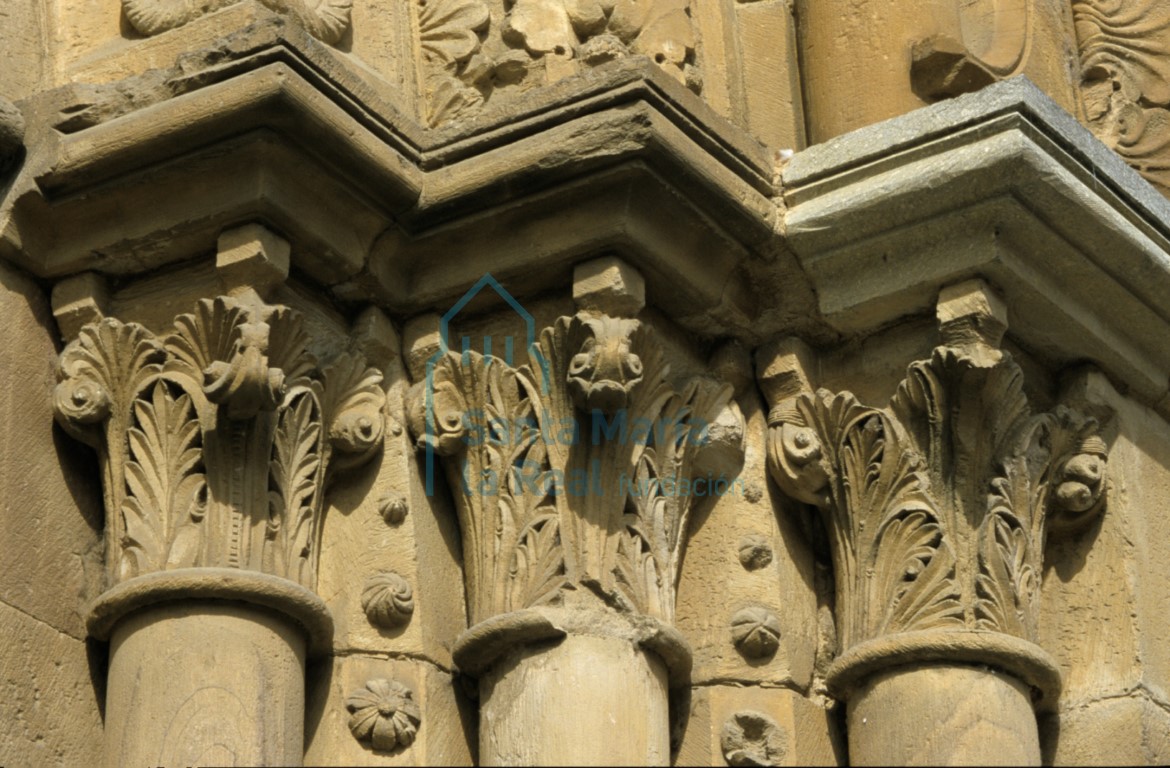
[1125, 70]
[216, 439]
[560, 503]
[937, 506]
[328, 20]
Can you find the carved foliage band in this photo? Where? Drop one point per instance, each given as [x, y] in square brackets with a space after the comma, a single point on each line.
[327, 20]
[216, 439]
[469, 51]
[568, 486]
[1125, 69]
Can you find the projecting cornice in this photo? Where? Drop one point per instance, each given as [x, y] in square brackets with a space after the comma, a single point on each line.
[271, 125]
[1002, 184]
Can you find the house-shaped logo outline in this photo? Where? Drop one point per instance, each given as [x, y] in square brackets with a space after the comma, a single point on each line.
[487, 281]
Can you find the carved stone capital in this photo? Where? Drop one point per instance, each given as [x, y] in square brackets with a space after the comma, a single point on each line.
[569, 489]
[574, 474]
[937, 505]
[216, 439]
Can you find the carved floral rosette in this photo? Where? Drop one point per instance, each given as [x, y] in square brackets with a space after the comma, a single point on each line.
[936, 508]
[217, 439]
[567, 472]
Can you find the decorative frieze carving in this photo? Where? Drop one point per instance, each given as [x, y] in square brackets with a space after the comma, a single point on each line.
[450, 34]
[1125, 85]
[936, 506]
[326, 20]
[469, 49]
[217, 439]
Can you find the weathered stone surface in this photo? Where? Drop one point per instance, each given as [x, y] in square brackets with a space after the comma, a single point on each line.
[603, 506]
[48, 488]
[1127, 730]
[193, 683]
[50, 714]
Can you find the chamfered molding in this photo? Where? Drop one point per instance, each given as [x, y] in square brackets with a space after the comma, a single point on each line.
[1004, 184]
[734, 241]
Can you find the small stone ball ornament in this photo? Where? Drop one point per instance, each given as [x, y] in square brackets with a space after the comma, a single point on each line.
[755, 552]
[756, 632]
[393, 509]
[384, 714]
[387, 600]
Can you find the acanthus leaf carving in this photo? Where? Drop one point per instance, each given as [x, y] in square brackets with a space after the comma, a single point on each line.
[216, 440]
[936, 506]
[449, 37]
[163, 474]
[561, 502]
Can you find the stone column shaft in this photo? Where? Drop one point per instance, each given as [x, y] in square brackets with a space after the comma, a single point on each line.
[215, 683]
[559, 705]
[942, 715]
